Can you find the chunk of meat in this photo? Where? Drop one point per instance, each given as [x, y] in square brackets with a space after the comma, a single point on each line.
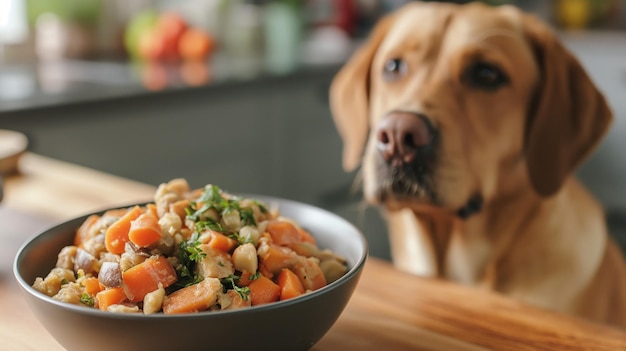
[216, 263]
[169, 193]
[54, 280]
[66, 257]
[194, 298]
[231, 300]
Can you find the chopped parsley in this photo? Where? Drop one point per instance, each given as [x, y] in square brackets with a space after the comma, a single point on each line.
[212, 194]
[208, 224]
[261, 206]
[212, 198]
[189, 254]
[230, 282]
[255, 276]
[247, 216]
[241, 240]
[87, 300]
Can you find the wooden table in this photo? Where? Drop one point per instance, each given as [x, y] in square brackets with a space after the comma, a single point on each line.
[389, 310]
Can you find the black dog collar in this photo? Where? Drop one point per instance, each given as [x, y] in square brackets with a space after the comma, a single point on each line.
[473, 205]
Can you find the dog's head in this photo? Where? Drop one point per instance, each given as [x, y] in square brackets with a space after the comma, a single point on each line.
[446, 105]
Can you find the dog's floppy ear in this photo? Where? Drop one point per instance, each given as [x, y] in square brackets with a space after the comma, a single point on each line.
[569, 116]
[349, 96]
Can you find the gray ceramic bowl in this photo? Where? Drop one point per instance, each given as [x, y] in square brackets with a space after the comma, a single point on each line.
[295, 324]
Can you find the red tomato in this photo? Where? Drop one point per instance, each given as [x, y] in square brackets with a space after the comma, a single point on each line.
[171, 25]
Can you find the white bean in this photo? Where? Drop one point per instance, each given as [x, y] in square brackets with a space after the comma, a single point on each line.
[245, 258]
[250, 234]
[122, 309]
[231, 220]
[153, 301]
[170, 223]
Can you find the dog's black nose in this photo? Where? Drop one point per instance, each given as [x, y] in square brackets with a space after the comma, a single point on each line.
[401, 134]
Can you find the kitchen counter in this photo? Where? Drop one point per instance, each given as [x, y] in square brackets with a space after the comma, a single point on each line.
[390, 310]
[34, 85]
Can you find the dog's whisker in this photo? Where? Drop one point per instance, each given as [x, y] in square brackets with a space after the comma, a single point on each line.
[357, 183]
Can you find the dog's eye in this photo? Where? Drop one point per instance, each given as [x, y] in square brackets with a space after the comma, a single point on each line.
[394, 68]
[485, 76]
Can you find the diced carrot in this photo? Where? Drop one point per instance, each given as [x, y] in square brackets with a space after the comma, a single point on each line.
[83, 231]
[283, 233]
[310, 274]
[115, 213]
[263, 290]
[110, 296]
[145, 277]
[276, 257]
[290, 285]
[221, 242]
[117, 234]
[194, 298]
[145, 230]
[305, 236]
[92, 285]
[245, 279]
[265, 272]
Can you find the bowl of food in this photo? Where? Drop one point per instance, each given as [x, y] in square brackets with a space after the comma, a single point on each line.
[193, 270]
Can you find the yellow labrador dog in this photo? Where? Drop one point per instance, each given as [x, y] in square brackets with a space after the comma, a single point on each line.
[468, 122]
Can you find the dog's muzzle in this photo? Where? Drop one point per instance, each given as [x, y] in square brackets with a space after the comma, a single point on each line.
[402, 136]
[406, 144]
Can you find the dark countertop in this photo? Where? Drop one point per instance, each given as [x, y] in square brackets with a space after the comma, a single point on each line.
[28, 85]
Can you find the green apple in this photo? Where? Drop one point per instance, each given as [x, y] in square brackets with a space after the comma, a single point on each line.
[136, 27]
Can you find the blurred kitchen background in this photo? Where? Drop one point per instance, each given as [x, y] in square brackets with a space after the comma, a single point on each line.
[234, 92]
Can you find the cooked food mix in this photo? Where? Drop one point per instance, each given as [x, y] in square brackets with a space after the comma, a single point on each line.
[189, 251]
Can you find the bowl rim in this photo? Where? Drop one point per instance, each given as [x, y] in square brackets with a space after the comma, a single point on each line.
[353, 271]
